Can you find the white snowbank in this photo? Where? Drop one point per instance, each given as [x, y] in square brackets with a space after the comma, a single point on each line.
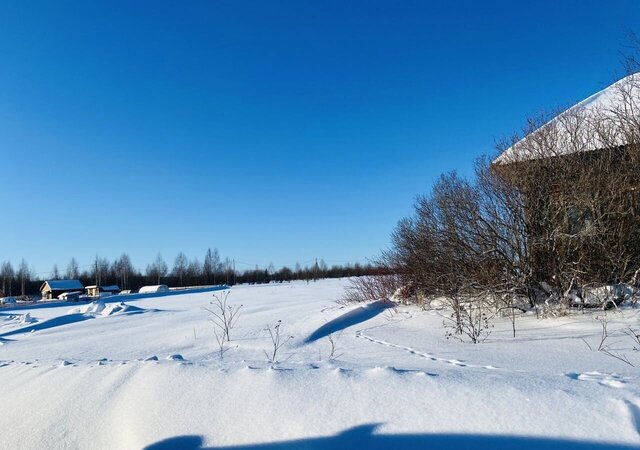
[99, 308]
[398, 382]
[95, 307]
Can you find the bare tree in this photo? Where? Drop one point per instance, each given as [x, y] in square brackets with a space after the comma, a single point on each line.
[24, 274]
[180, 266]
[72, 272]
[211, 266]
[55, 273]
[7, 273]
[157, 269]
[193, 272]
[123, 269]
[100, 270]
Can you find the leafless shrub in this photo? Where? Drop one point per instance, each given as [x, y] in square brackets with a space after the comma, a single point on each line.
[224, 316]
[469, 319]
[635, 338]
[222, 342]
[277, 340]
[605, 344]
[371, 288]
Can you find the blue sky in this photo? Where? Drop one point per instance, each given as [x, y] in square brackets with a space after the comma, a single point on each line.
[274, 131]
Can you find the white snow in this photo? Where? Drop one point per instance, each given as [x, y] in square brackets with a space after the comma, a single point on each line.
[145, 372]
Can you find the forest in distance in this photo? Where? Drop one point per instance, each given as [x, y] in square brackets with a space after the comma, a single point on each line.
[22, 280]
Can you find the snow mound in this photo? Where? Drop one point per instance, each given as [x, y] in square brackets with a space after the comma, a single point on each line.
[26, 318]
[91, 308]
[121, 308]
[22, 319]
[99, 308]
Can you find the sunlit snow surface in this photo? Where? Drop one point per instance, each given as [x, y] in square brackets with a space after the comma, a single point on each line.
[144, 372]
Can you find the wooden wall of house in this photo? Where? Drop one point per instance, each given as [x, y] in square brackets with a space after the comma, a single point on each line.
[583, 214]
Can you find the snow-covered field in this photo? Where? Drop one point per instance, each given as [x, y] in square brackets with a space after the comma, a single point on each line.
[147, 374]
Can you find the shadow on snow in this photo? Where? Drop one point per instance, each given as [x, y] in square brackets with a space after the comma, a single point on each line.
[51, 323]
[363, 437]
[67, 319]
[353, 317]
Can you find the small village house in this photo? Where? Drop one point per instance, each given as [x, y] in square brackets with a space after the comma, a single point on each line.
[53, 288]
[102, 291]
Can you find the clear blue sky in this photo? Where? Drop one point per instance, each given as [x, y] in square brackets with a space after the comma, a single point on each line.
[274, 131]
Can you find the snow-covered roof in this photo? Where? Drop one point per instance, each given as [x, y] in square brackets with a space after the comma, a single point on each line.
[571, 131]
[62, 285]
[112, 287]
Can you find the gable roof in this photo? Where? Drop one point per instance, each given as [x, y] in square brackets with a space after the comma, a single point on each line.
[572, 131]
[62, 285]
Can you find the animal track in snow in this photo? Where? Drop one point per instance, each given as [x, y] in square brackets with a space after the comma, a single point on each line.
[429, 356]
[612, 380]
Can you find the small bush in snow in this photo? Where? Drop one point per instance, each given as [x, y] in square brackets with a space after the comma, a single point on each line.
[277, 340]
[469, 319]
[224, 315]
[224, 318]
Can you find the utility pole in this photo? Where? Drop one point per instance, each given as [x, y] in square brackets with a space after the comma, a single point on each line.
[315, 271]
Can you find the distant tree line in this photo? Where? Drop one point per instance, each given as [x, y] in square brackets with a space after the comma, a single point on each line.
[212, 270]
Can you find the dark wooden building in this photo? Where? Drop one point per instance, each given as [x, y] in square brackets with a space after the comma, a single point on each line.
[579, 174]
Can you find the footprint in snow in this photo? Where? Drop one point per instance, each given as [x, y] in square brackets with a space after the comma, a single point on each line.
[175, 357]
[611, 380]
[152, 358]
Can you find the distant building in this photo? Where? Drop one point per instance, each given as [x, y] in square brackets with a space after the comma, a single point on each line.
[70, 296]
[102, 291]
[53, 288]
[151, 289]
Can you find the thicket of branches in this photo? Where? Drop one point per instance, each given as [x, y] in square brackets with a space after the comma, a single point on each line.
[560, 208]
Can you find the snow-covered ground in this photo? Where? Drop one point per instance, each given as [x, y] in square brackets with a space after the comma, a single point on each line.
[146, 373]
